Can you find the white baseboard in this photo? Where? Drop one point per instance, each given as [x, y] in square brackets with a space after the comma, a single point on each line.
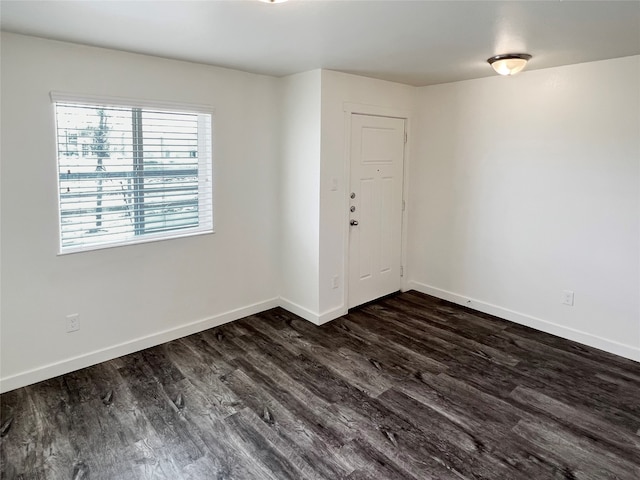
[299, 310]
[313, 317]
[579, 336]
[29, 377]
[65, 366]
[332, 314]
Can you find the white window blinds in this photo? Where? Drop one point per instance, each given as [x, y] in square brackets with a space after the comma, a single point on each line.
[131, 173]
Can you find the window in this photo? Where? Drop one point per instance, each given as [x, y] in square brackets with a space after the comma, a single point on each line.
[142, 172]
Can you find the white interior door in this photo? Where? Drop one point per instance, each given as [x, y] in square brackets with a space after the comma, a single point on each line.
[375, 240]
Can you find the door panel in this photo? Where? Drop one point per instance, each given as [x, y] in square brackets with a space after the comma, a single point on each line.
[377, 157]
[387, 213]
[365, 253]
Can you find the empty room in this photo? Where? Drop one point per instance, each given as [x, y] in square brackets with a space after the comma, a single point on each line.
[309, 239]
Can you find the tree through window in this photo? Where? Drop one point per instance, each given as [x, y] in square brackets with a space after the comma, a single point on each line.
[131, 174]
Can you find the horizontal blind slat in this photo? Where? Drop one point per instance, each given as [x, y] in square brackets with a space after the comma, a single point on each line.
[125, 175]
[149, 224]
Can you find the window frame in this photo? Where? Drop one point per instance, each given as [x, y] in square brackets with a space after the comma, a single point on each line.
[130, 103]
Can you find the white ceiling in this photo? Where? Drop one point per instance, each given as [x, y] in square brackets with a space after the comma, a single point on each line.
[413, 42]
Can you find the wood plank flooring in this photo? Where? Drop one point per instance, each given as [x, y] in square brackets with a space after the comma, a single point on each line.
[408, 387]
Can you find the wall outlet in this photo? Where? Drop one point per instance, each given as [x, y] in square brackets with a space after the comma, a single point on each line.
[335, 281]
[73, 322]
[567, 297]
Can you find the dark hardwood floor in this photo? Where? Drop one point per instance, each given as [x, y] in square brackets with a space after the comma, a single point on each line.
[409, 387]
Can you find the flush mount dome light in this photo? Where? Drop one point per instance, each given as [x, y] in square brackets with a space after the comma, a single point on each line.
[510, 63]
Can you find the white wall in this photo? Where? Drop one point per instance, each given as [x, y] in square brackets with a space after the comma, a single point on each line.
[526, 186]
[341, 92]
[151, 291]
[299, 192]
[520, 188]
[313, 215]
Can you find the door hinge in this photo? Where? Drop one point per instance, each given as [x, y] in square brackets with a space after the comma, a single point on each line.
[401, 271]
[403, 205]
[405, 137]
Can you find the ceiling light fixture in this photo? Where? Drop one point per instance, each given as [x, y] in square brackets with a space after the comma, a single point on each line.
[510, 63]
[273, 1]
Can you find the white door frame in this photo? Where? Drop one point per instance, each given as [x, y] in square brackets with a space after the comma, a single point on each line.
[349, 110]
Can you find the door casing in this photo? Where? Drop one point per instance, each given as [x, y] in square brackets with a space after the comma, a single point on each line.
[361, 109]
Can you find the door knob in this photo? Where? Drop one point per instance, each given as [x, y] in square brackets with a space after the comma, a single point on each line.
[353, 223]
